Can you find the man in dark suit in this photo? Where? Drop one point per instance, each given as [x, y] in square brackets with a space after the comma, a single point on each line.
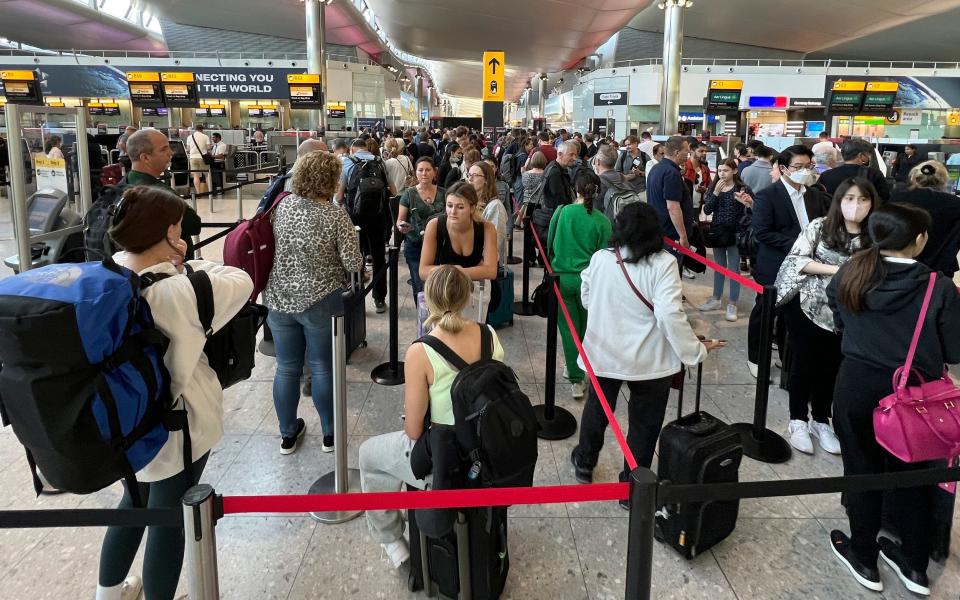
[780, 212]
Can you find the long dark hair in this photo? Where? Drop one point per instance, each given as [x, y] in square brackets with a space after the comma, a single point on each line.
[637, 228]
[834, 232]
[893, 227]
[587, 187]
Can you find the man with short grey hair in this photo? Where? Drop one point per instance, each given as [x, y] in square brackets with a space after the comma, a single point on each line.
[604, 164]
[557, 187]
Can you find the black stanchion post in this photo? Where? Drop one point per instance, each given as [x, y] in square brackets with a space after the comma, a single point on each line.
[391, 372]
[643, 507]
[760, 443]
[555, 423]
[511, 259]
[525, 307]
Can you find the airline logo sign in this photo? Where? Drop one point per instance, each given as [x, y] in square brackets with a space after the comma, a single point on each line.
[494, 65]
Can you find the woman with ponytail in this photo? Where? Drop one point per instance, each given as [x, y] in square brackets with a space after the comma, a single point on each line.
[576, 231]
[385, 459]
[928, 190]
[876, 299]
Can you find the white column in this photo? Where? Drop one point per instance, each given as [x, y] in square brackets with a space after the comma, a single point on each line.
[317, 55]
[672, 58]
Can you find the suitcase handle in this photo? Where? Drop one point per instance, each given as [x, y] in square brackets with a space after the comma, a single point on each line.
[696, 409]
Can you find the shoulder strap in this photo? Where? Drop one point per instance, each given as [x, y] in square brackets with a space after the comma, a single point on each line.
[486, 342]
[630, 281]
[204, 291]
[276, 202]
[905, 373]
[444, 350]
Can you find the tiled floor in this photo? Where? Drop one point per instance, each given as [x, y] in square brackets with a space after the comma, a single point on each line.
[780, 547]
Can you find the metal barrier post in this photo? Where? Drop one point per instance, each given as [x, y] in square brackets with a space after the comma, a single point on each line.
[391, 372]
[199, 520]
[342, 479]
[760, 443]
[643, 508]
[524, 307]
[18, 188]
[239, 202]
[83, 161]
[555, 423]
[511, 259]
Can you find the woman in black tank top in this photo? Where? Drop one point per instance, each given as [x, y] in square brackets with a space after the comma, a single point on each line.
[447, 239]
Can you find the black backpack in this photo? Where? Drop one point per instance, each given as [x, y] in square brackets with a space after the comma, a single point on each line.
[98, 220]
[508, 167]
[494, 423]
[367, 188]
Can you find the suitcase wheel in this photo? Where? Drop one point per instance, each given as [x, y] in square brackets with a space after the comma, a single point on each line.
[412, 584]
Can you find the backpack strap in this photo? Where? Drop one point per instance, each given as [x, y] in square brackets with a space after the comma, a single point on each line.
[486, 342]
[444, 351]
[204, 292]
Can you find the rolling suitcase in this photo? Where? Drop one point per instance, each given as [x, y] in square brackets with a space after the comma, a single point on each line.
[501, 299]
[469, 563]
[697, 448]
[355, 315]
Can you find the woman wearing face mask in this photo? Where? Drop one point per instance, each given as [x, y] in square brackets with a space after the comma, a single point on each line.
[147, 227]
[418, 205]
[824, 245]
[449, 166]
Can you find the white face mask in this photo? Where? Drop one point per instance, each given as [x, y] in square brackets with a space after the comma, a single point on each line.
[803, 177]
[855, 213]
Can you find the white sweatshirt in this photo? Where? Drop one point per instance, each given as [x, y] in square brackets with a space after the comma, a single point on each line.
[624, 339]
[174, 306]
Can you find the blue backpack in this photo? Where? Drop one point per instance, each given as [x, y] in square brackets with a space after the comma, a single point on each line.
[83, 381]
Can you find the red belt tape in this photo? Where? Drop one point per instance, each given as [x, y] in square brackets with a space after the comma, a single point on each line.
[305, 503]
[753, 285]
[614, 425]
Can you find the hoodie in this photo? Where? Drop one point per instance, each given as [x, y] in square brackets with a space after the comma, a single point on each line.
[880, 336]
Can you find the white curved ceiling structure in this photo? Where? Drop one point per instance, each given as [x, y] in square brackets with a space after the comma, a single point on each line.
[65, 24]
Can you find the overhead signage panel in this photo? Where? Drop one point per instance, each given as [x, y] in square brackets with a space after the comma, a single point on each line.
[337, 111]
[610, 99]
[726, 84]
[22, 87]
[848, 103]
[878, 103]
[849, 86]
[721, 101]
[179, 89]
[304, 90]
[494, 66]
[807, 102]
[144, 88]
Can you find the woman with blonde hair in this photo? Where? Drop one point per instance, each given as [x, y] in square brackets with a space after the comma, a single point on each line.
[385, 459]
[483, 178]
[460, 237]
[316, 249]
[928, 190]
[400, 169]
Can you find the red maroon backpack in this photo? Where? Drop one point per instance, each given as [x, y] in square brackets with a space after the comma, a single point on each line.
[251, 247]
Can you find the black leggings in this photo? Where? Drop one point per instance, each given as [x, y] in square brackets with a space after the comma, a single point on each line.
[163, 558]
[814, 362]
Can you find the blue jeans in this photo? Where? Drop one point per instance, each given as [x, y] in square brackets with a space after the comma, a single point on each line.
[411, 253]
[729, 257]
[297, 334]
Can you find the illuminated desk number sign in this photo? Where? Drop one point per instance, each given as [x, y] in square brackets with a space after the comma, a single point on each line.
[22, 87]
[180, 89]
[304, 90]
[145, 90]
[724, 96]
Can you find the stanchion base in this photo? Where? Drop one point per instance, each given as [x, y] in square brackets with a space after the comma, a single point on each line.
[562, 426]
[524, 310]
[768, 448]
[327, 485]
[514, 260]
[267, 348]
[385, 375]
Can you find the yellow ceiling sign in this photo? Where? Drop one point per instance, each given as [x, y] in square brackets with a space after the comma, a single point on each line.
[307, 78]
[177, 76]
[494, 66]
[953, 119]
[849, 86]
[17, 75]
[140, 77]
[883, 86]
[726, 84]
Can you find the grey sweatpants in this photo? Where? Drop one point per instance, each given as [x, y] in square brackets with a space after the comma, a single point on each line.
[385, 467]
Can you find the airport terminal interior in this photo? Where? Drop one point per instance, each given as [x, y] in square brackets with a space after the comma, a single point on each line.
[874, 84]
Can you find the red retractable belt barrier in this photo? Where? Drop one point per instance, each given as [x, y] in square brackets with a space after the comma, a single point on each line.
[614, 425]
[753, 285]
[555, 494]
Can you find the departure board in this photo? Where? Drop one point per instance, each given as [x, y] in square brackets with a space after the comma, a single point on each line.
[22, 87]
[304, 90]
[845, 103]
[145, 90]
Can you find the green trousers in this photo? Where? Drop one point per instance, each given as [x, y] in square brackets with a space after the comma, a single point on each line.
[570, 291]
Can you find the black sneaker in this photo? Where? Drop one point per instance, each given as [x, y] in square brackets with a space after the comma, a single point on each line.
[327, 443]
[624, 504]
[381, 306]
[893, 555]
[289, 445]
[582, 474]
[868, 577]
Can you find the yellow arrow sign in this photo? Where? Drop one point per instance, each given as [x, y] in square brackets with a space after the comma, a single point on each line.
[494, 65]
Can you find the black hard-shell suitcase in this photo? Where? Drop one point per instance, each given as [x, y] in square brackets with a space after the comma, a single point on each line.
[470, 563]
[697, 448]
[355, 315]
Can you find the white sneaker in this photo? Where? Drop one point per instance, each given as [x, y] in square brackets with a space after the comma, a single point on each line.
[398, 552]
[131, 588]
[731, 313]
[753, 368]
[711, 304]
[577, 390]
[689, 274]
[825, 436]
[800, 436]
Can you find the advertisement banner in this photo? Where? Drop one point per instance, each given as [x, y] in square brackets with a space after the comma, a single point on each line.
[51, 173]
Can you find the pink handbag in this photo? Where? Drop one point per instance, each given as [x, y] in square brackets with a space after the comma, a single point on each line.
[920, 422]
